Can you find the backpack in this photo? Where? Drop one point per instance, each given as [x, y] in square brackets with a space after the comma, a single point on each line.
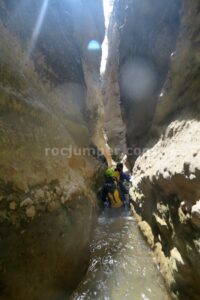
[114, 196]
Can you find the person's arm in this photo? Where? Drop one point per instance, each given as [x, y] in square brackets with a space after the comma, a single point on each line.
[125, 176]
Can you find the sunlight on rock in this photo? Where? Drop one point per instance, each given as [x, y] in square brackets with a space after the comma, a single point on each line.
[37, 28]
[108, 8]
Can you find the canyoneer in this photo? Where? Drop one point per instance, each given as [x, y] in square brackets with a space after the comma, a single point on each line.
[111, 194]
[123, 181]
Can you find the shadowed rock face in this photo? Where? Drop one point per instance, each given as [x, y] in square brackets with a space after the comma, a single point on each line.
[166, 176]
[143, 37]
[148, 32]
[64, 35]
[47, 200]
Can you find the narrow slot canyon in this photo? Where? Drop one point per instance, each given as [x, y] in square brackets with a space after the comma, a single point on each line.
[86, 84]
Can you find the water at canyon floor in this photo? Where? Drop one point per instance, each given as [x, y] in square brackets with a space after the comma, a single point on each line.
[121, 266]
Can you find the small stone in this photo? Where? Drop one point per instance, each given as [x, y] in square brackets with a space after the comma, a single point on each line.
[51, 207]
[66, 187]
[58, 191]
[39, 194]
[26, 202]
[13, 205]
[26, 190]
[22, 186]
[196, 214]
[30, 212]
[183, 207]
[48, 195]
[166, 175]
[192, 177]
[161, 224]
[175, 259]
[63, 200]
[10, 198]
[197, 244]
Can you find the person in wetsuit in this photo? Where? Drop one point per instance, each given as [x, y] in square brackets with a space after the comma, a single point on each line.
[111, 196]
[121, 177]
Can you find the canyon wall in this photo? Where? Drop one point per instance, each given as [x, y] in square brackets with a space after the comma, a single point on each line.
[166, 176]
[49, 83]
[142, 36]
[158, 69]
[113, 122]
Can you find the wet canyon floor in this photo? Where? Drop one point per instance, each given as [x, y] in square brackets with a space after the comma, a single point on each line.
[121, 265]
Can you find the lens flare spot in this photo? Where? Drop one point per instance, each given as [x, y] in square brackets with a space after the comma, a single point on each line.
[138, 79]
[94, 46]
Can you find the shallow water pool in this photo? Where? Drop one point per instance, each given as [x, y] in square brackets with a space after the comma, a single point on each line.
[121, 266]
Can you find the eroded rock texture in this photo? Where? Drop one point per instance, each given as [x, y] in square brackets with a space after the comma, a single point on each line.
[48, 108]
[158, 63]
[166, 180]
[166, 175]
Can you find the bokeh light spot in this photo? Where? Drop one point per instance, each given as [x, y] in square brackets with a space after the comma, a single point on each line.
[94, 45]
[138, 79]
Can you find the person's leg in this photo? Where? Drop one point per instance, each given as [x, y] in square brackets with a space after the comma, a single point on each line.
[122, 192]
[125, 195]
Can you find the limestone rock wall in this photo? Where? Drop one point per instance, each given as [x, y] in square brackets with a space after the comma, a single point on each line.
[114, 125]
[159, 40]
[47, 199]
[142, 37]
[166, 176]
[166, 194]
